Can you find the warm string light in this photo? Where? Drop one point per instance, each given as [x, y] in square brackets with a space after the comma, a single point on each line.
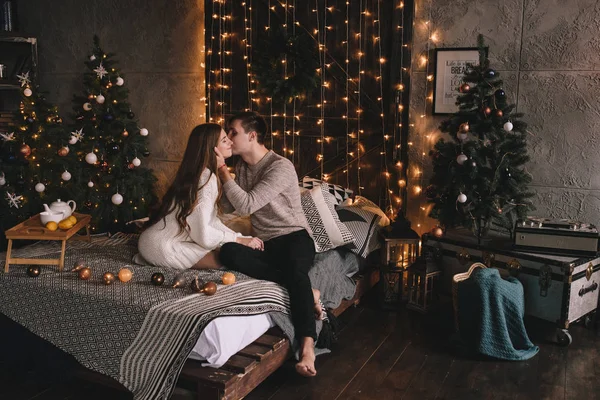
[321, 105]
[210, 74]
[285, 77]
[399, 111]
[388, 192]
[229, 55]
[347, 98]
[419, 172]
[362, 12]
[270, 99]
[294, 23]
[247, 61]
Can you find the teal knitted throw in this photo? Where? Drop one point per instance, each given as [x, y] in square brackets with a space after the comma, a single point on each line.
[490, 316]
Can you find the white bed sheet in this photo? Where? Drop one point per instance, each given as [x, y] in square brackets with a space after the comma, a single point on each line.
[225, 336]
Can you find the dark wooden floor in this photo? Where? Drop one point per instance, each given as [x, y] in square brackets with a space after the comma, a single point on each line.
[380, 355]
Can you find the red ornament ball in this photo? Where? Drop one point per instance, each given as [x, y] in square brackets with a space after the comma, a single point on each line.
[487, 111]
[63, 151]
[25, 150]
[499, 113]
[464, 88]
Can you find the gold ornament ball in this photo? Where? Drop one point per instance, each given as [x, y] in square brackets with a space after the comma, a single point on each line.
[125, 275]
[34, 271]
[157, 279]
[125, 133]
[464, 127]
[108, 278]
[499, 113]
[464, 88]
[25, 150]
[209, 288]
[228, 278]
[487, 111]
[437, 232]
[85, 273]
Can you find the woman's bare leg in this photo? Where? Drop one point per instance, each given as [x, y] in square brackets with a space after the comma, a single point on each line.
[209, 261]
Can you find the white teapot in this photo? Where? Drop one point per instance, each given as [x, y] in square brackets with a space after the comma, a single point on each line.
[61, 207]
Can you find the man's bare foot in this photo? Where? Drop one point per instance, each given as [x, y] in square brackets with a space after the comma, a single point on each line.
[306, 365]
[318, 308]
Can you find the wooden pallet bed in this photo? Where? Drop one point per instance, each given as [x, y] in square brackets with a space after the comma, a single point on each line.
[250, 366]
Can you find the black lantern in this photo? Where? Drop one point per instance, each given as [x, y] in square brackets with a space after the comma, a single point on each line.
[400, 251]
[423, 278]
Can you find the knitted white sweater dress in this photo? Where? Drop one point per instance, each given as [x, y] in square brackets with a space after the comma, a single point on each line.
[162, 244]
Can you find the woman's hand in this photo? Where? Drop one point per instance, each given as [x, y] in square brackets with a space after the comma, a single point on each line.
[252, 242]
[220, 158]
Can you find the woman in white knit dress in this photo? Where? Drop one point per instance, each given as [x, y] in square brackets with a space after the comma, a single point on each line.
[185, 232]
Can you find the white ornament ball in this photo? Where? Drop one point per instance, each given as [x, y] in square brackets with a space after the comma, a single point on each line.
[461, 159]
[91, 158]
[40, 187]
[87, 106]
[92, 57]
[144, 132]
[136, 161]
[66, 176]
[72, 140]
[100, 99]
[2, 181]
[90, 184]
[116, 199]
[120, 81]
[462, 198]
[462, 136]
[27, 92]
[508, 126]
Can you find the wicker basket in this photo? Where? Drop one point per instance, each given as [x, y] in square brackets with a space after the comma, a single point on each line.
[456, 279]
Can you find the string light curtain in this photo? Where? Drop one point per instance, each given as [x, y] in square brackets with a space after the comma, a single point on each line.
[350, 130]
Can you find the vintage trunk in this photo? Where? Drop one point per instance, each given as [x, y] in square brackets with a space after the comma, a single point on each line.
[558, 289]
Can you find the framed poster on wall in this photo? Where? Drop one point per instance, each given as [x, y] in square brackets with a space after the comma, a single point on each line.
[450, 67]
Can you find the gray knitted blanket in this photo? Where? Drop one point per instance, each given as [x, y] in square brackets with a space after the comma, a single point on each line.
[134, 332]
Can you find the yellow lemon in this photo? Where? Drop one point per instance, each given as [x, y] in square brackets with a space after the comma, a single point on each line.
[52, 226]
[72, 219]
[65, 224]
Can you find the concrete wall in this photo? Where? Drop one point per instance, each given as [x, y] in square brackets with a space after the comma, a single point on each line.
[159, 47]
[548, 53]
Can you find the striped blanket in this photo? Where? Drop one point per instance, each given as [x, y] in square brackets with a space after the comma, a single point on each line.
[134, 332]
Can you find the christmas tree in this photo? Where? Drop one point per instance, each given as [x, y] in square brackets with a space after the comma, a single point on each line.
[479, 180]
[112, 184]
[27, 179]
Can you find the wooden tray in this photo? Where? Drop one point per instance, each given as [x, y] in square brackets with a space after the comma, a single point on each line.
[32, 229]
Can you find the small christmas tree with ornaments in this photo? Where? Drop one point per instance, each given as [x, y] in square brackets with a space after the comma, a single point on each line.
[479, 178]
[27, 178]
[112, 183]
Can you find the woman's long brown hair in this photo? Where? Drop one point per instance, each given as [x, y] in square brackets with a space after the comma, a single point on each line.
[183, 192]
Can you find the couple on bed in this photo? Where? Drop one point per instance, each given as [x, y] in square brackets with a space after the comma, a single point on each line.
[186, 232]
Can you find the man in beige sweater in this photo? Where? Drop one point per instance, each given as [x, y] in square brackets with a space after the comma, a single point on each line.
[266, 187]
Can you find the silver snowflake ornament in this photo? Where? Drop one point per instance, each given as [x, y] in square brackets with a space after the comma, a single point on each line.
[100, 71]
[78, 134]
[8, 136]
[24, 79]
[14, 200]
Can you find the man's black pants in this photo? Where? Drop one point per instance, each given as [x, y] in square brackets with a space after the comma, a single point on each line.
[285, 260]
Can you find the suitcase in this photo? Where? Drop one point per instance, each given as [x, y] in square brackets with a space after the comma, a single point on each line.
[558, 289]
